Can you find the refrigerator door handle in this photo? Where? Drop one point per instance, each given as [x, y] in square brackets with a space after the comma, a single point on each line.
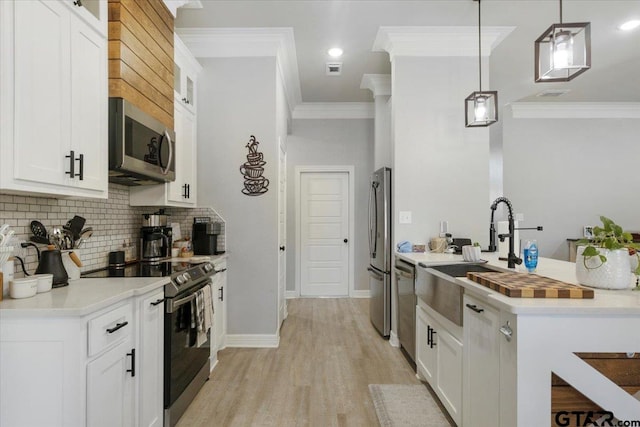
[370, 222]
[373, 227]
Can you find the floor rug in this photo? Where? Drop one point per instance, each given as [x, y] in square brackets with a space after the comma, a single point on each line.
[403, 405]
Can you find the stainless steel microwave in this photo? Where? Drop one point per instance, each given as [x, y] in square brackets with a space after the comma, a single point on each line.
[141, 149]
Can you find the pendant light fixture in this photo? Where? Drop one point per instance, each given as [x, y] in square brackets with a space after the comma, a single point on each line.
[481, 107]
[563, 51]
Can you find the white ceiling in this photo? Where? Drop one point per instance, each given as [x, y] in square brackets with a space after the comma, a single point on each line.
[353, 25]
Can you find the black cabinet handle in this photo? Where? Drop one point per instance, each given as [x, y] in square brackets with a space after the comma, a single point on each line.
[221, 296]
[72, 163]
[78, 2]
[475, 308]
[282, 248]
[429, 335]
[133, 362]
[118, 326]
[184, 191]
[346, 240]
[185, 100]
[433, 343]
[156, 302]
[81, 173]
[188, 191]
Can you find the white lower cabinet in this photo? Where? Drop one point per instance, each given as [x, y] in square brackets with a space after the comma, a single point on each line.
[219, 295]
[439, 358]
[487, 360]
[102, 369]
[110, 386]
[150, 359]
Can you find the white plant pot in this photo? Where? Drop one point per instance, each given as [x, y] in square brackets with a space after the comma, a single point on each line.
[613, 274]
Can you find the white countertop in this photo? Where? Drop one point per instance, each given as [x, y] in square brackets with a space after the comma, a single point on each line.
[81, 297]
[605, 302]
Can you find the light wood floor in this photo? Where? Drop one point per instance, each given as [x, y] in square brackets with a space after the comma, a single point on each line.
[329, 353]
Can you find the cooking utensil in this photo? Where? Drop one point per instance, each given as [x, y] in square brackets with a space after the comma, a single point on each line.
[84, 235]
[56, 238]
[75, 225]
[39, 230]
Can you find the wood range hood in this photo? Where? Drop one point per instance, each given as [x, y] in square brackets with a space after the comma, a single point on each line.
[141, 56]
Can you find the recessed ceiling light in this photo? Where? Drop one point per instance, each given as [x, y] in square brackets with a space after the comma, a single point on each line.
[335, 52]
[630, 25]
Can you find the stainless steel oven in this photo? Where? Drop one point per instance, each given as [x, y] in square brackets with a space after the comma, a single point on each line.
[141, 149]
[186, 363]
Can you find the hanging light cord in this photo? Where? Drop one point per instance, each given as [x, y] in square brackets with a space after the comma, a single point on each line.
[561, 11]
[479, 49]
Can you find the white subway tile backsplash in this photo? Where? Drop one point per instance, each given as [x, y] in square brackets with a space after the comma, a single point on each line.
[114, 223]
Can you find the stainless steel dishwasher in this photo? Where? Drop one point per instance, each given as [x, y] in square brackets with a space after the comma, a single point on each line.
[406, 297]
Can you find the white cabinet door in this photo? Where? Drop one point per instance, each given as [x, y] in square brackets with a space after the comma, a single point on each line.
[89, 103]
[150, 368]
[110, 388]
[426, 356]
[481, 364]
[54, 100]
[41, 92]
[449, 372]
[182, 191]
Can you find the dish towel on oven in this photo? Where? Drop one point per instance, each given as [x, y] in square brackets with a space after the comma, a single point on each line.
[203, 313]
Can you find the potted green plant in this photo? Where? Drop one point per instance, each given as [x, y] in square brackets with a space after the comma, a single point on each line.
[605, 259]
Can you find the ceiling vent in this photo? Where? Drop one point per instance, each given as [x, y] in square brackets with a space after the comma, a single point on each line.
[553, 93]
[334, 68]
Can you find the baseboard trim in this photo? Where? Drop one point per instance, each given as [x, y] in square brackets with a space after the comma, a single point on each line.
[362, 293]
[253, 341]
[393, 339]
[291, 294]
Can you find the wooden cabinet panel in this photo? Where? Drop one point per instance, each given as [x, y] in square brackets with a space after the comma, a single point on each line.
[141, 56]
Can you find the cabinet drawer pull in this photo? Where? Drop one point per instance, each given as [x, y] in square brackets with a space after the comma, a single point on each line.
[78, 2]
[118, 326]
[506, 331]
[133, 362]
[81, 168]
[156, 302]
[221, 290]
[475, 308]
[72, 163]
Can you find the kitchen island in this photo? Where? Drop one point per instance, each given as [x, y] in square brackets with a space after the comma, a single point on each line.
[513, 345]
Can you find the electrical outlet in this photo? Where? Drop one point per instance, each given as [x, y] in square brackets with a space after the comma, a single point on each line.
[405, 217]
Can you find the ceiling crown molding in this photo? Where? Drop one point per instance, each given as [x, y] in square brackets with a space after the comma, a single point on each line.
[438, 41]
[379, 84]
[334, 110]
[250, 42]
[575, 110]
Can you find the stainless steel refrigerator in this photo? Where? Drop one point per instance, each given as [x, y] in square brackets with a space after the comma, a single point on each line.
[380, 250]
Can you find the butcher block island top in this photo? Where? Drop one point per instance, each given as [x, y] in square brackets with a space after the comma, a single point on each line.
[604, 302]
[518, 285]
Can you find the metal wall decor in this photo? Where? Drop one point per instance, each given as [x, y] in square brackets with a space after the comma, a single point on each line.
[254, 183]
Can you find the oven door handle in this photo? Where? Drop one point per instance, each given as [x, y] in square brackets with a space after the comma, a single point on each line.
[172, 305]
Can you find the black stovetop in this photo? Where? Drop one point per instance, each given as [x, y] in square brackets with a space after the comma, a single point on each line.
[141, 269]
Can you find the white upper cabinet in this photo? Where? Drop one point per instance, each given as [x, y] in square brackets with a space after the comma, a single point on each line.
[54, 102]
[182, 192]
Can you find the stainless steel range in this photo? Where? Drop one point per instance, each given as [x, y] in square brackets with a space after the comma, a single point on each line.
[186, 364]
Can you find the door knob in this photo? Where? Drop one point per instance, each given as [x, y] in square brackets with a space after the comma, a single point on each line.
[282, 248]
[346, 240]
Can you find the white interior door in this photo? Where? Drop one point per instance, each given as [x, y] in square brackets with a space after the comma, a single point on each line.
[324, 233]
[282, 235]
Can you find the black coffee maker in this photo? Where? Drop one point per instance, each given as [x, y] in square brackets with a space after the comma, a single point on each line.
[205, 236]
[155, 243]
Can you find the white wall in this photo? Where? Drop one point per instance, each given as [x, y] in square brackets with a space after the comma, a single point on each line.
[440, 168]
[565, 173]
[236, 99]
[382, 151]
[333, 142]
